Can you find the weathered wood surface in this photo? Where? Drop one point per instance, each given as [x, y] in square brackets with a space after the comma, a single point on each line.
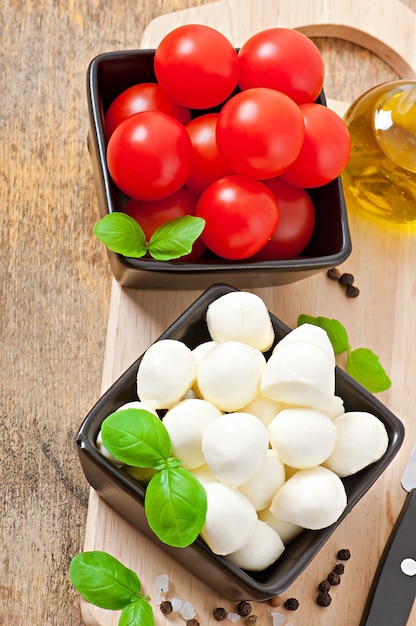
[58, 300]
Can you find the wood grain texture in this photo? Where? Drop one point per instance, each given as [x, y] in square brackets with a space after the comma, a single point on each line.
[382, 262]
[58, 302]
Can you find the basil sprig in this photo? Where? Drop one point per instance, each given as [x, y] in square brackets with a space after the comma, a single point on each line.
[175, 502]
[173, 239]
[105, 582]
[362, 364]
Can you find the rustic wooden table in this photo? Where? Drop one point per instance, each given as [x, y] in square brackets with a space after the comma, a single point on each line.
[55, 280]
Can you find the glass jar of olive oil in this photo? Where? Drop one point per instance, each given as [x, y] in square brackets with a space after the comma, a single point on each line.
[380, 176]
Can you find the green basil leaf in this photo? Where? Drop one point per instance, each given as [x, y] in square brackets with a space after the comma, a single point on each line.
[175, 506]
[121, 233]
[175, 238]
[365, 367]
[138, 613]
[136, 437]
[335, 330]
[102, 580]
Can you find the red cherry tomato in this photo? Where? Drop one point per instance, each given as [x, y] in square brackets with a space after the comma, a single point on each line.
[153, 213]
[240, 215]
[149, 155]
[208, 162]
[282, 59]
[143, 97]
[260, 132]
[325, 151]
[197, 66]
[296, 221]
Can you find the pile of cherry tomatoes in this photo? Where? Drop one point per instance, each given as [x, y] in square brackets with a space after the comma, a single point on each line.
[234, 137]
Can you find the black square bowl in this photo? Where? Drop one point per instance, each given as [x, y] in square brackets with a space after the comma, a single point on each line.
[126, 496]
[111, 73]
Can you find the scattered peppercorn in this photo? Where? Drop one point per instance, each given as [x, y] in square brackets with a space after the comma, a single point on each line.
[325, 585]
[244, 608]
[324, 599]
[219, 614]
[339, 568]
[344, 554]
[192, 622]
[333, 273]
[291, 604]
[334, 578]
[253, 620]
[166, 607]
[346, 279]
[276, 601]
[352, 291]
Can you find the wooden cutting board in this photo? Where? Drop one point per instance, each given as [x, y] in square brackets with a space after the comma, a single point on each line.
[382, 318]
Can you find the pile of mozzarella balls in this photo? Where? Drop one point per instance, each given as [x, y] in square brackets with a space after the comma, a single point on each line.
[268, 439]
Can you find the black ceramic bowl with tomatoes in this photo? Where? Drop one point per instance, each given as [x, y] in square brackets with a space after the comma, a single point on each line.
[108, 76]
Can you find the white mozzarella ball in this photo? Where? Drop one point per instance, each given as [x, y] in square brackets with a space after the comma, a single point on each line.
[299, 373]
[230, 521]
[204, 475]
[136, 404]
[263, 408]
[309, 333]
[286, 531]
[199, 352]
[262, 549]
[234, 446]
[335, 407]
[229, 375]
[202, 349]
[302, 437]
[312, 498]
[186, 423]
[361, 440]
[190, 395]
[241, 316]
[270, 476]
[166, 373]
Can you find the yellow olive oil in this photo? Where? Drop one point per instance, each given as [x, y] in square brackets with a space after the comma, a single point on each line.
[380, 176]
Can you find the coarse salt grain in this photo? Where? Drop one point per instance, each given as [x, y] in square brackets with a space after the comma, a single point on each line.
[233, 617]
[162, 583]
[177, 604]
[278, 619]
[162, 587]
[187, 611]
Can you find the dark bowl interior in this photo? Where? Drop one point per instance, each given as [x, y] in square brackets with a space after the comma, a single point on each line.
[111, 73]
[126, 496]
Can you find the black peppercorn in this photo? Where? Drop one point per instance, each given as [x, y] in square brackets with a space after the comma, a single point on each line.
[219, 614]
[333, 273]
[324, 599]
[244, 608]
[346, 279]
[339, 568]
[325, 585]
[352, 291]
[291, 604]
[192, 622]
[334, 578]
[166, 607]
[344, 554]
